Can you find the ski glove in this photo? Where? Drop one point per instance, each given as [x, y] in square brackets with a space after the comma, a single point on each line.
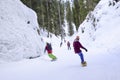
[86, 50]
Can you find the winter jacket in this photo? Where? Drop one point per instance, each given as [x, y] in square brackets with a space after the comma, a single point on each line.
[48, 48]
[77, 45]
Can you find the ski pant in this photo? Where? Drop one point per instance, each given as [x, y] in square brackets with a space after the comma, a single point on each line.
[52, 56]
[81, 56]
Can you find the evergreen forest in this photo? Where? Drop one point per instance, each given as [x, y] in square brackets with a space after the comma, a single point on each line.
[52, 14]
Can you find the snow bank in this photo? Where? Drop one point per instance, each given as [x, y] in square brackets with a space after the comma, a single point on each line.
[18, 31]
[102, 26]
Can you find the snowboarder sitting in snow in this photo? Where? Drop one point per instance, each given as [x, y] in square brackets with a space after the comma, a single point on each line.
[49, 50]
[77, 45]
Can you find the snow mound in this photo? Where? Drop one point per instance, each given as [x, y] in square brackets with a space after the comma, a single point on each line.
[18, 31]
[102, 26]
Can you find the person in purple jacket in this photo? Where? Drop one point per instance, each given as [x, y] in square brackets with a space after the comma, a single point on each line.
[77, 49]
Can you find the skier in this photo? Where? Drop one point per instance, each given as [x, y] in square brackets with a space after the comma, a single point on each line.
[61, 44]
[77, 45]
[68, 45]
[48, 47]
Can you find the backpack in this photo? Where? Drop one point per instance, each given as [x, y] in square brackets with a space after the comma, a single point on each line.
[49, 46]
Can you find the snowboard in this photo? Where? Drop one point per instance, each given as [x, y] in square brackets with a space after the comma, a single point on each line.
[53, 60]
[84, 64]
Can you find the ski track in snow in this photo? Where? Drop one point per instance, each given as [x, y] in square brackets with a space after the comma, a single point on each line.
[67, 67]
